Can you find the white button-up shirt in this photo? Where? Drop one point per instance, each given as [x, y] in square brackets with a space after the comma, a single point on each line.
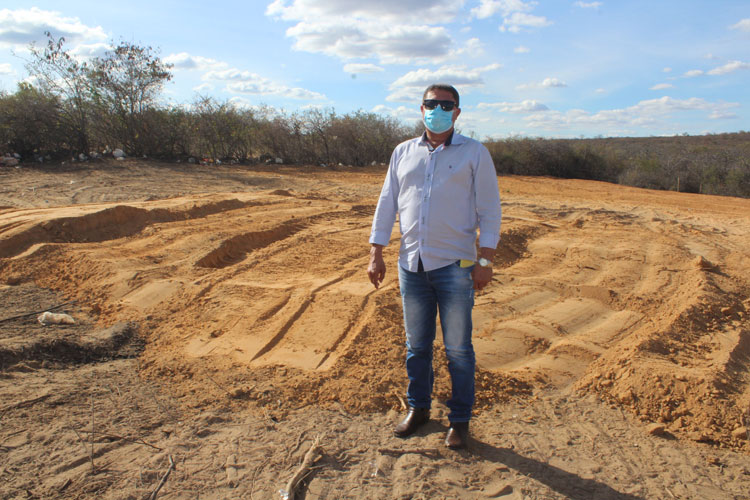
[442, 197]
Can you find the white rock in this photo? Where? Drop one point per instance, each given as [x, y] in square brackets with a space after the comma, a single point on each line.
[279, 160]
[118, 153]
[50, 318]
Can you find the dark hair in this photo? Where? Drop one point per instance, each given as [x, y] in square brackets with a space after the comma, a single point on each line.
[441, 86]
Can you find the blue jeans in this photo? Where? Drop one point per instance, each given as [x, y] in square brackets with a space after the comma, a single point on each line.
[448, 290]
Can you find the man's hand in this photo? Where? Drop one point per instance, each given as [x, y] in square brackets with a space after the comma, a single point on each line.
[376, 269]
[482, 276]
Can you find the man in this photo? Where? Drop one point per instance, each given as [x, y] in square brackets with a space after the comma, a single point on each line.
[443, 186]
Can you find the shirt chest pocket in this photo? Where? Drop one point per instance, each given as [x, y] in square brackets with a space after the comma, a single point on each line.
[454, 175]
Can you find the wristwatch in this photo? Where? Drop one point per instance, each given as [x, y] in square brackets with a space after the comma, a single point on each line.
[484, 262]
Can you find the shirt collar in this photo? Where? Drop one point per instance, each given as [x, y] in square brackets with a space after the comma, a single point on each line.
[452, 138]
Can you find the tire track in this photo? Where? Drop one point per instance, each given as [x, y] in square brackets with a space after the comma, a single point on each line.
[279, 336]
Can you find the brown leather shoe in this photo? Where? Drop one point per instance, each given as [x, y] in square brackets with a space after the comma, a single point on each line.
[413, 421]
[458, 435]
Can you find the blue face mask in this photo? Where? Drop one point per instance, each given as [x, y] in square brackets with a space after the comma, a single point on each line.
[438, 121]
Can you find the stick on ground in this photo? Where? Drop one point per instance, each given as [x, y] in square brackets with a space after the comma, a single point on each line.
[85, 448]
[23, 403]
[163, 479]
[403, 403]
[307, 462]
[418, 451]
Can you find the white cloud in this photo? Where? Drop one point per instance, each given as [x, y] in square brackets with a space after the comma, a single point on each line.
[265, 87]
[241, 103]
[395, 44]
[393, 31]
[382, 11]
[355, 68]
[204, 88]
[521, 50]
[553, 82]
[473, 47]
[245, 82]
[520, 20]
[259, 109]
[662, 86]
[21, 27]
[600, 91]
[406, 94]
[413, 83]
[90, 50]
[238, 81]
[185, 61]
[667, 69]
[403, 113]
[527, 106]
[647, 114]
[6, 69]
[588, 5]
[515, 14]
[743, 25]
[729, 67]
[488, 8]
[722, 115]
[544, 84]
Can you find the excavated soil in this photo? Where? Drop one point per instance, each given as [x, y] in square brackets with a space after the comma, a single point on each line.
[224, 319]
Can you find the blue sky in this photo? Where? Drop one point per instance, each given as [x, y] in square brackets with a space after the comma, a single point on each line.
[532, 68]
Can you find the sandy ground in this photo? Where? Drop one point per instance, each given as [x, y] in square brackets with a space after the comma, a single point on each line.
[224, 321]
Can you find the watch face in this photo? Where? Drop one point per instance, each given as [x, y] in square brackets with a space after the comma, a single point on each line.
[484, 262]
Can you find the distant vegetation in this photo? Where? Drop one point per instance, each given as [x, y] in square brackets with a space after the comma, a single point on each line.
[75, 108]
[708, 164]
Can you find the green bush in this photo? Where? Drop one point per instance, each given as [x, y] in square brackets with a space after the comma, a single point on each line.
[31, 123]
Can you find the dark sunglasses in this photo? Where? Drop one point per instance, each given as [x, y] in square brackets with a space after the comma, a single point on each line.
[433, 103]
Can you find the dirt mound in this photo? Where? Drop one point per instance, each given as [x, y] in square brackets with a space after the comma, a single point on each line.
[98, 225]
[235, 249]
[691, 372]
[262, 296]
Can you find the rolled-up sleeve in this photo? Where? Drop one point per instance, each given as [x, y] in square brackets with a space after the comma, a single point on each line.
[487, 197]
[387, 208]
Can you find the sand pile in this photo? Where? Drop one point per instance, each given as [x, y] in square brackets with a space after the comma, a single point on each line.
[262, 297]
